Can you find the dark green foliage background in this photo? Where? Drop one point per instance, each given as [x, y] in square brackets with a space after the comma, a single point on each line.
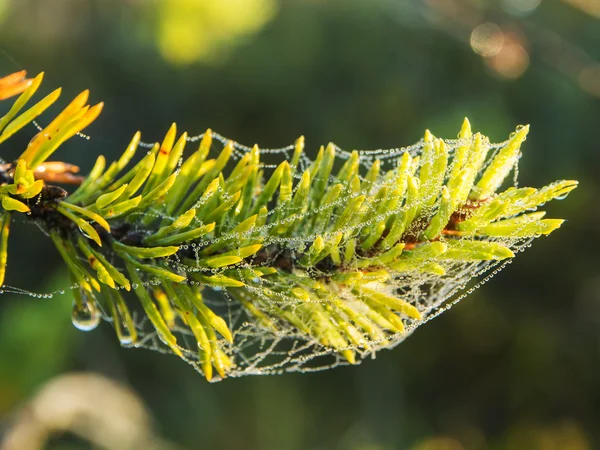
[520, 355]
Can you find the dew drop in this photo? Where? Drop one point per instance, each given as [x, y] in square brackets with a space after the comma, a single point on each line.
[125, 338]
[85, 316]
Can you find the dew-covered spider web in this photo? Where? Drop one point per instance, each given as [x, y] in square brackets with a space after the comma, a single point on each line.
[271, 323]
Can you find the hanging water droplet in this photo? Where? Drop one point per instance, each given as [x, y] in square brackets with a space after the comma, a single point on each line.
[86, 315]
[562, 197]
[125, 337]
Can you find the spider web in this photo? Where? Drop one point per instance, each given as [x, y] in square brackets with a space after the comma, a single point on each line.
[257, 350]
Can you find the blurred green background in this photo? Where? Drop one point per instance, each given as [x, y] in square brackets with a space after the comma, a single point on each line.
[514, 366]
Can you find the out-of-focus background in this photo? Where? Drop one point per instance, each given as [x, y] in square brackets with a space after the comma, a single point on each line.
[514, 366]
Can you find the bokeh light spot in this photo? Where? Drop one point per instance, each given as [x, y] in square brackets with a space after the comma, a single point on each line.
[520, 7]
[190, 31]
[511, 62]
[589, 80]
[487, 39]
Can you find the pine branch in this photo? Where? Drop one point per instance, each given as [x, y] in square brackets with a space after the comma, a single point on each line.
[351, 258]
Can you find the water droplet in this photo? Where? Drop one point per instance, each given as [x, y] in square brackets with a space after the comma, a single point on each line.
[125, 338]
[85, 316]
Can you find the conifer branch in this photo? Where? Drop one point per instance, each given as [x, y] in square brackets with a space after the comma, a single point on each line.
[326, 253]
